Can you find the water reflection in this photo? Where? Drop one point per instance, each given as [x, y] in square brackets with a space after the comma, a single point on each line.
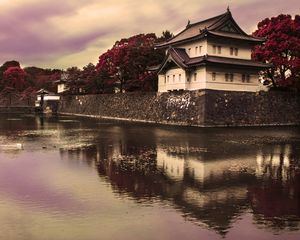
[275, 196]
[210, 187]
[212, 177]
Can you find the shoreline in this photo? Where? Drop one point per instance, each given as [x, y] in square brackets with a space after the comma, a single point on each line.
[176, 124]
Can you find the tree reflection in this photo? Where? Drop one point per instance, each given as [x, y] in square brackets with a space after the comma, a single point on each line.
[211, 184]
[275, 196]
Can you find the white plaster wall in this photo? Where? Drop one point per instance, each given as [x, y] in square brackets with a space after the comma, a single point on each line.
[61, 88]
[204, 80]
[172, 84]
[48, 98]
[200, 82]
[243, 51]
[161, 83]
[236, 85]
[193, 46]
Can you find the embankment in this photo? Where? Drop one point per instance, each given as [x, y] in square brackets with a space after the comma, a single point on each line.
[191, 108]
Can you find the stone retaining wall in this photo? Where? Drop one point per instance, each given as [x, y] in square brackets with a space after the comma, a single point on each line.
[176, 108]
[254, 109]
[193, 108]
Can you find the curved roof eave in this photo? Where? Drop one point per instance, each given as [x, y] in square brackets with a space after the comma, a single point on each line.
[168, 59]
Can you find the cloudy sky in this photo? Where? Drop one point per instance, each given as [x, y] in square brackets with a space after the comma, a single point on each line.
[64, 33]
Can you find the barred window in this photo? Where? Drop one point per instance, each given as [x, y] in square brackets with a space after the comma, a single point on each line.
[248, 78]
[214, 49]
[214, 76]
[243, 77]
[226, 77]
[236, 51]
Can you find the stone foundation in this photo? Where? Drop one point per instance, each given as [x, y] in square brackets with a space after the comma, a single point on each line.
[191, 108]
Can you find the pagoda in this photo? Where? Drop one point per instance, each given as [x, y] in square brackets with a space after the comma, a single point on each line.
[211, 54]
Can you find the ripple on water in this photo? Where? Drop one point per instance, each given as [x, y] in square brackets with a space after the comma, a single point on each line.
[68, 121]
[13, 119]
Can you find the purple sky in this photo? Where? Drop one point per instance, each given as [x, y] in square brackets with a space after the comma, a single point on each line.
[60, 34]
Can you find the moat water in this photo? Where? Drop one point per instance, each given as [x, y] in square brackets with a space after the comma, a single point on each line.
[76, 178]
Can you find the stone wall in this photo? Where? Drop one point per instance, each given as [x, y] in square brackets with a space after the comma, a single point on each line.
[193, 108]
[185, 108]
[254, 109]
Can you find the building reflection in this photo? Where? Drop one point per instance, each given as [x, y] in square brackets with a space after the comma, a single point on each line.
[209, 186]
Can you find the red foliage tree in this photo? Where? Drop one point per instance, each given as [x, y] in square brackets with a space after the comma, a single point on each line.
[42, 78]
[15, 77]
[125, 65]
[4, 67]
[281, 49]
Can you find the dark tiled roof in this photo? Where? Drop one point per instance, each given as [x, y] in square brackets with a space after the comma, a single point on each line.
[180, 57]
[180, 54]
[194, 29]
[236, 36]
[198, 30]
[227, 61]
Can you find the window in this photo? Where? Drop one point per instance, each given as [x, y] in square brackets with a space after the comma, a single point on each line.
[236, 51]
[217, 48]
[243, 77]
[248, 78]
[214, 49]
[196, 51]
[189, 51]
[229, 77]
[214, 76]
[226, 77]
[195, 77]
[179, 77]
[165, 80]
[200, 49]
[173, 78]
[168, 78]
[231, 51]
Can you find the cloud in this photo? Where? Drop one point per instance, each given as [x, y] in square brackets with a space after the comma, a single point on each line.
[50, 33]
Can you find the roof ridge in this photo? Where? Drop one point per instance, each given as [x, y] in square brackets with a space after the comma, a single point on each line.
[193, 24]
[228, 13]
[208, 19]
